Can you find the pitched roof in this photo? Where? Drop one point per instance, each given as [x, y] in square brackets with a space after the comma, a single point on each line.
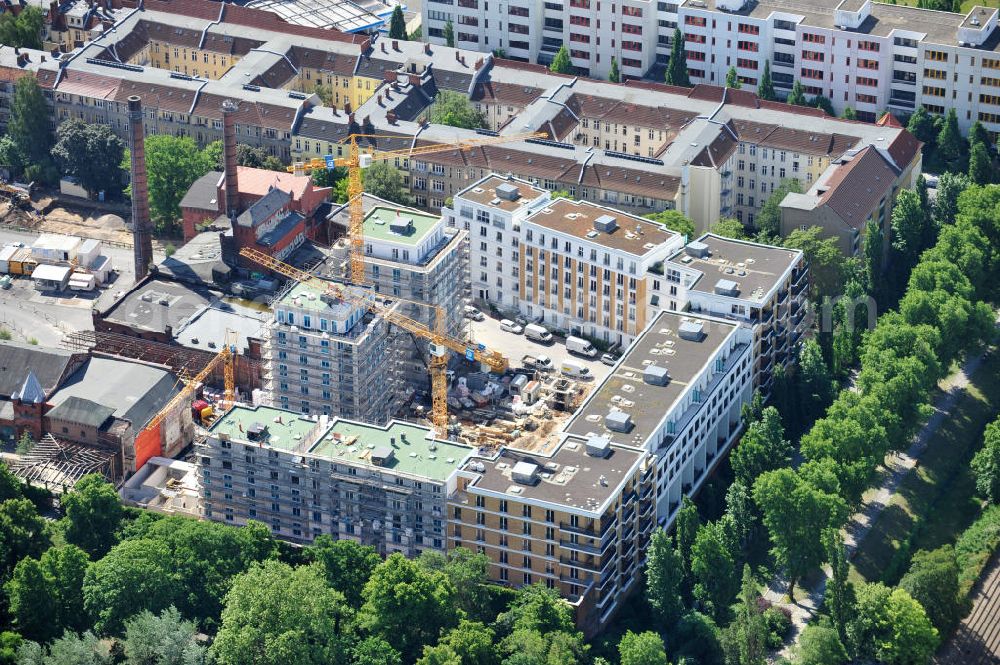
[264, 208]
[505, 93]
[31, 391]
[16, 360]
[81, 411]
[855, 188]
[903, 149]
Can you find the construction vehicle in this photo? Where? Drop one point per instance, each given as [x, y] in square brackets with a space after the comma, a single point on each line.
[227, 357]
[440, 341]
[358, 159]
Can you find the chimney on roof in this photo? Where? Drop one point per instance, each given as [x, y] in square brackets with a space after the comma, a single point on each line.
[347, 107]
[229, 158]
[479, 63]
[427, 48]
[458, 56]
[350, 118]
[380, 99]
[390, 117]
[414, 80]
[395, 44]
[382, 46]
[367, 121]
[142, 226]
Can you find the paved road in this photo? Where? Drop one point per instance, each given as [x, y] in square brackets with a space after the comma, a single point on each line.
[896, 468]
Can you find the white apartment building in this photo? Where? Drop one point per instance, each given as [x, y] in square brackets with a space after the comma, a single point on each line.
[575, 266]
[864, 55]
[677, 393]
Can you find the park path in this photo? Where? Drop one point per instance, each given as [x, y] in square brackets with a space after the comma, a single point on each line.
[895, 469]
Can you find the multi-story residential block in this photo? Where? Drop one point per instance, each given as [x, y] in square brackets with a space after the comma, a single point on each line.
[324, 355]
[760, 286]
[576, 266]
[676, 393]
[577, 520]
[860, 54]
[386, 487]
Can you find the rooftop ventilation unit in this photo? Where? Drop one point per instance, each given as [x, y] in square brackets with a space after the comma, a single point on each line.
[656, 375]
[698, 250]
[727, 287]
[618, 421]
[605, 223]
[599, 446]
[382, 456]
[401, 225]
[525, 473]
[508, 192]
[693, 331]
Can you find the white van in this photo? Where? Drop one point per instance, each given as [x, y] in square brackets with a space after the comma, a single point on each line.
[573, 369]
[536, 333]
[581, 346]
[472, 312]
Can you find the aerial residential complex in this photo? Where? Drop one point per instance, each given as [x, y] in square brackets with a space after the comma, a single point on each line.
[860, 54]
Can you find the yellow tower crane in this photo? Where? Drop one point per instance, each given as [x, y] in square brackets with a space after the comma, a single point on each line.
[358, 158]
[227, 356]
[440, 341]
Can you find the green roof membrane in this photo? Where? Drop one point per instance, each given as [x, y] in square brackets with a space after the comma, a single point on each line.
[380, 220]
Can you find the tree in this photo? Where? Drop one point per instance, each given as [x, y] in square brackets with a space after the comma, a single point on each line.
[675, 221]
[950, 187]
[697, 639]
[46, 595]
[346, 564]
[470, 643]
[164, 639]
[741, 513]
[986, 464]
[22, 533]
[23, 30]
[397, 24]
[821, 102]
[455, 110]
[921, 125]
[872, 251]
[686, 530]
[278, 614]
[10, 156]
[839, 597]
[797, 97]
[827, 264]
[374, 651]
[664, 579]
[10, 642]
[677, 67]
[406, 606]
[173, 163]
[70, 649]
[909, 228]
[980, 165]
[641, 649]
[766, 88]
[849, 114]
[727, 227]
[614, 75]
[385, 181]
[950, 145]
[816, 385]
[820, 645]
[467, 571]
[769, 217]
[795, 514]
[749, 631]
[449, 34]
[561, 63]
[891, 627]
[90, 153]
[93, 514]
[762, 448]
[134, 576]
[539, 628]
[713, 567]
[29, 125]
[932, 581]
[733, 79]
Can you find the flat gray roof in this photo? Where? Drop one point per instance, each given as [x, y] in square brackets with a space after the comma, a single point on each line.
[756, 268]
[647, 404]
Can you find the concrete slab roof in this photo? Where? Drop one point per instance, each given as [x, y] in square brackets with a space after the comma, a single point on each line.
[379, 220]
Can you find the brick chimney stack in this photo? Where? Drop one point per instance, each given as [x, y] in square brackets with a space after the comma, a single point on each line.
[142, 225]
[229, 158]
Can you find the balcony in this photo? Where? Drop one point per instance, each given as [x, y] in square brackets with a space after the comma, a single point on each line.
[782, 296]
[766, 317]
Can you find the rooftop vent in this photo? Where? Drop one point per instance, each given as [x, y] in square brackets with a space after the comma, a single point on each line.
[525, 473]
[656, 375]
[727, 287]
[381, 456]
[618, 421]
[508, 192]
[699, 250]
[401, 225]
[693, 331]
[257, 431]
[605, 223]
[598, 446]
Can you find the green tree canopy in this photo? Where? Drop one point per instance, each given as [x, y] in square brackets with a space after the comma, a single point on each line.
[797, 97]
[664, 579]
[827, 264]
[891, 627]
[950, 144]
[406, 606]
[766, 88]
[677, 67]
[840, 596]
[467, 572]
[455, 110]
[675, 221]
[134, 576]
[820, 645]
[950, 186]
[164, 639]
[613, 74]
[561, 63]
[821, 102]
[93, 515]
[910, 232]
[469, 643]
[23, 30]
[23, 533]
[932, 581]
[70, 649]
[346, 564]
[713, 568]
[397, 24]
[986, 464]
[385, 181]
[29, 125]
[697, 639]
[769, 218]
[733, 79]
[727, 227]
[173, 163]
[91, 153]
[276, 614]
[849, 114]
[761, 448]
[921, 125]
[46, 595]
[641, 649]
[449, 34]
[980, 165]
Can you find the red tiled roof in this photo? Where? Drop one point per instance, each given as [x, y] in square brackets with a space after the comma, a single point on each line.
[505, 93]
[855, 188]
[527, 67]
[658, 87]
[904, 148]
[89, 84]
[11, 74]
[791, 108]
[889, 120]
[716, 153]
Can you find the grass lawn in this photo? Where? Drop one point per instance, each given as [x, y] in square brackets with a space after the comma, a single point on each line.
[935, 502]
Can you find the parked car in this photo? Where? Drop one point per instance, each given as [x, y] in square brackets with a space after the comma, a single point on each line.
[537, 333]
[580, 346]
[510, 326]
[472, 312]
[609, 359]
[539, 362]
